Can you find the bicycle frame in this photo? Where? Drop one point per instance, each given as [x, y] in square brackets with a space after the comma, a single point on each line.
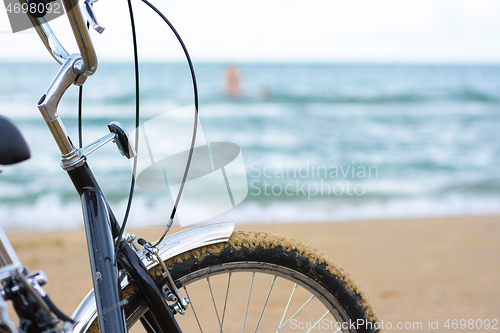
[101, 227]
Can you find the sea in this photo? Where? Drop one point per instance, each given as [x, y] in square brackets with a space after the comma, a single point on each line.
[317, 142]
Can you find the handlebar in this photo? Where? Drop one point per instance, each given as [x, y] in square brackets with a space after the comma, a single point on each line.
[81, 33]
[78, 25]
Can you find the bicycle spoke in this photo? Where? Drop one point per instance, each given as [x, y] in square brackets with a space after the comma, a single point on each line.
[265, 303]
[303, 305]
[323, 316]
[248, 302]
[213, 300]
[192, 307]
[225, 302]
[286, 309]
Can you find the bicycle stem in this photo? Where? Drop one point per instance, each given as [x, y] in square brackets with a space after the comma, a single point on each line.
[71, 72]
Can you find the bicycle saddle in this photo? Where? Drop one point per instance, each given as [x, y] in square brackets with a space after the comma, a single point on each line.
[13, 147]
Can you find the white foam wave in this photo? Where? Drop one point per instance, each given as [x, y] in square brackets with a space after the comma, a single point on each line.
[50, 213]
[341, 210]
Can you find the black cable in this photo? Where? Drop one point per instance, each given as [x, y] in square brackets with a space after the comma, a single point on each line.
[195, 88]
[61, 315]
[80, 106]
[132, 182]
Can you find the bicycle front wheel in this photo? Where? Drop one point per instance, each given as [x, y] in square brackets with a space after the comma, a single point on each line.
[259, 282]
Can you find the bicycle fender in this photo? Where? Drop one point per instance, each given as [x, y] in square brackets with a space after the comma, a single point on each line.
[171, 246]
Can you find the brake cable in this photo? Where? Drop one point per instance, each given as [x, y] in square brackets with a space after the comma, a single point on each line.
[137, 113]
[136, 144]
[80, 102]
[80, 108]
[195, 125]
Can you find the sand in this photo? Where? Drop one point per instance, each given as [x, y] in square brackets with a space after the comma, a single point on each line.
[412, 270]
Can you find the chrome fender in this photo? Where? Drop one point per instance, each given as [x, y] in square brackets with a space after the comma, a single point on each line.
[171, 246]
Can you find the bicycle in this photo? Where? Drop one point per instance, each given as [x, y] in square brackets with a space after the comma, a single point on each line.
[159, 285]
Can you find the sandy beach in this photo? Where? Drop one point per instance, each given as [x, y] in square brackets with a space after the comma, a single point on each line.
[412, 270]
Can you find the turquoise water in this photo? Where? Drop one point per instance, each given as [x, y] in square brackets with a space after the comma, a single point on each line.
[326, 142]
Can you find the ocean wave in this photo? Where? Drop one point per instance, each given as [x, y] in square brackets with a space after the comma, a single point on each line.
[431, 132]
[381, 98]
[146, 212]
[342, 210]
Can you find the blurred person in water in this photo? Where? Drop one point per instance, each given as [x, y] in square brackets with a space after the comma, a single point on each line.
[233, 81]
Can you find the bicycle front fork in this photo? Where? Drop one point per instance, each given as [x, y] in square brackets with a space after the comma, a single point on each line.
[105, 273]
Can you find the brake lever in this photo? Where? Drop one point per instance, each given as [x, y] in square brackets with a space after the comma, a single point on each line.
[91, 17]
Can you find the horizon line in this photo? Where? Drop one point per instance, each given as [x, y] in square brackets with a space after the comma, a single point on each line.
[280, 62]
